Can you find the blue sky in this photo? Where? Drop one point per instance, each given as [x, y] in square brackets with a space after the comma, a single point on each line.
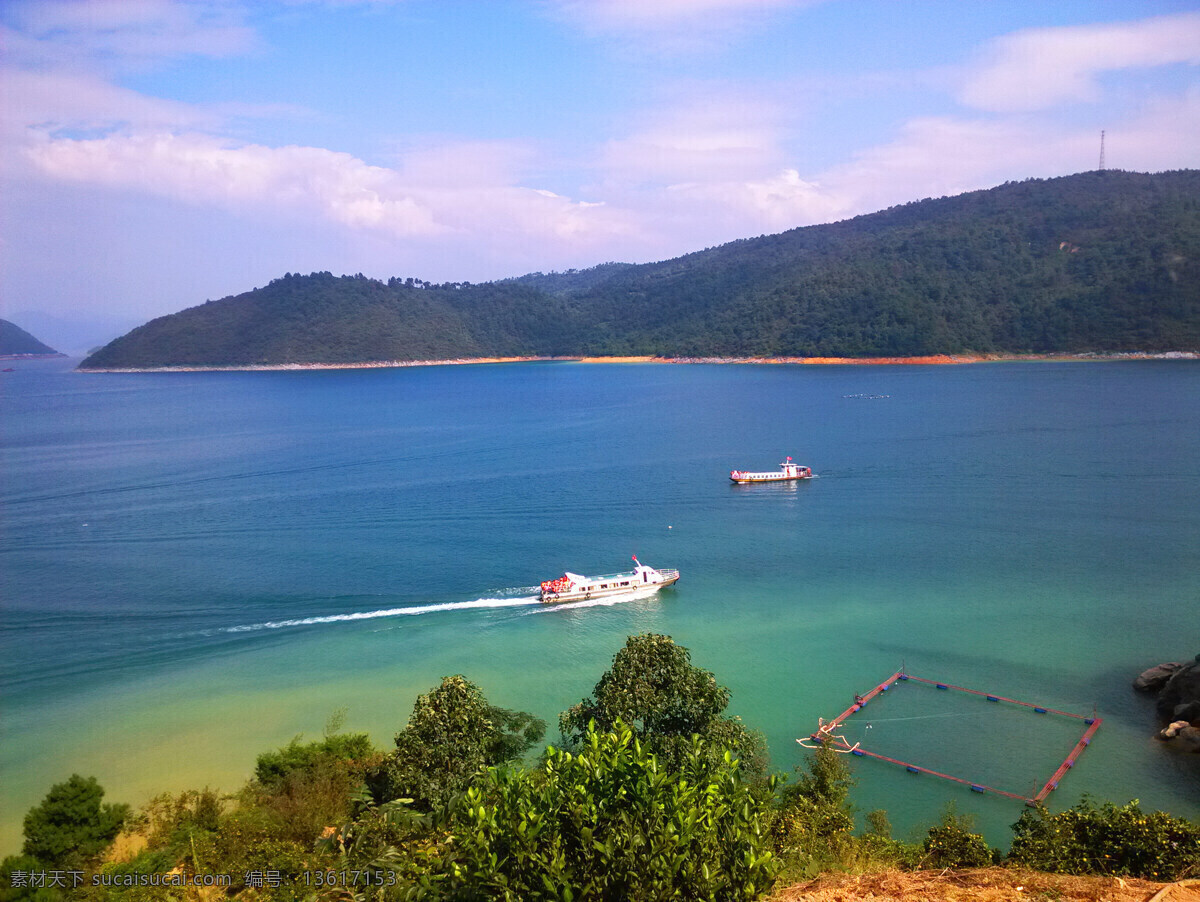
[157, 153]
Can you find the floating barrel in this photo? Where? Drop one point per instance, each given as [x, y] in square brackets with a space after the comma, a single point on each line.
[913, 770]
[975, 788]
[858, 752]
[1040, 710]
[1089, 720]
[884, 688]
[904, 676]
[942, 686]
[993, 698]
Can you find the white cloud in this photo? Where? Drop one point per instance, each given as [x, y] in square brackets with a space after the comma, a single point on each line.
[942, 155]
[1040, 68]
[252, 179]
[712, 138]
[637, 14]
[63, 100]
[131, 32]
[776, 202]
[206, 171]
[672, 27]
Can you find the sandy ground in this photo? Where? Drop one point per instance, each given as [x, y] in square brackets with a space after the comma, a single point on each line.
[933, 360]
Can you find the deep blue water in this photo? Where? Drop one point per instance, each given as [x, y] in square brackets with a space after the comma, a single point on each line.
[198, 566]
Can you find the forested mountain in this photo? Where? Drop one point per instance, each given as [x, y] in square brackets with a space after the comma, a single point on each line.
[16, 342]
[1101, 261]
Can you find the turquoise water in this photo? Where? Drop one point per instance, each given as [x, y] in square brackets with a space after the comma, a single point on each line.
[199, 566]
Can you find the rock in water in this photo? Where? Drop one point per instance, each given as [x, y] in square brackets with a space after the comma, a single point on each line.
[1179, 698]
[1189, 738]
[1155, 678]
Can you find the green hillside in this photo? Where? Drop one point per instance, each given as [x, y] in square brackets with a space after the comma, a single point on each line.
[16, 342]
[1101, 261]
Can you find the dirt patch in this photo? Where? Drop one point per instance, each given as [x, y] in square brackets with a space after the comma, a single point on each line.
[983, 885]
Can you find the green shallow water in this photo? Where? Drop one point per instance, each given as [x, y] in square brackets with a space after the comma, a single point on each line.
[198, 567]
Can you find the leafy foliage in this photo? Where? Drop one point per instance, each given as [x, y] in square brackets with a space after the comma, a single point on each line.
[1107, 839]
[1100, 261]
[273, 768]
[814, 823]
[951, 844]
[71, 827]
[611, 823]
[452, 735]
[609, 818]
[391, 838]
[654, 688]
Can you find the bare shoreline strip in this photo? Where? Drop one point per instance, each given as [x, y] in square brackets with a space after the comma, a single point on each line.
[931, 360]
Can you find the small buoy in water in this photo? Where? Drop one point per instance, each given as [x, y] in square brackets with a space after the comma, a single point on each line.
[670, 527]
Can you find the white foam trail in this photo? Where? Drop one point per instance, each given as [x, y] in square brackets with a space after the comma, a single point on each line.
[389, 612]
[604, 602]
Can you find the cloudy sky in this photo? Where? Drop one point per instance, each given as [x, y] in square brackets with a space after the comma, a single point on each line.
[157, 153]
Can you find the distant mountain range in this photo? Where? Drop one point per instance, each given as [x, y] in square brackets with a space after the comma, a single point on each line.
[1096, 262]
[76, 334]
[16, 342]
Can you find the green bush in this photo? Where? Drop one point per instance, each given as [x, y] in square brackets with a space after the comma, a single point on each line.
[610, 823]
[15, 882]
[452, 735]
[654, 688]
[273, 768]
[951, 844]
[170, 821]
[1107, 839]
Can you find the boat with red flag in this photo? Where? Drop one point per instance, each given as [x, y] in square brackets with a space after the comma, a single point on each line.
[573, 587]
[787, 472]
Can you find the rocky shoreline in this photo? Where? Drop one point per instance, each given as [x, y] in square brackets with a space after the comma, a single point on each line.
[1177, 687]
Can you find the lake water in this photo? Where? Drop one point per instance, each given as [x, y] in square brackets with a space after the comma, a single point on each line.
[199, 566]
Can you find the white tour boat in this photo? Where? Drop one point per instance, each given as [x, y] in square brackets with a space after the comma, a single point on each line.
[787, 471]
[573, 587]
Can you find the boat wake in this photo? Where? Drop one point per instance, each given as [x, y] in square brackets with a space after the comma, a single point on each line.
[522, 601]
[604, 602]
[477, 604]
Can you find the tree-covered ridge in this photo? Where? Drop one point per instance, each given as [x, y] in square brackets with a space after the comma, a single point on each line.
[321, 318]
[16, 342]
[1096, 262]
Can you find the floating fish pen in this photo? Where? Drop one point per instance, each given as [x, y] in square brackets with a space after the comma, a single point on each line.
[832, 734]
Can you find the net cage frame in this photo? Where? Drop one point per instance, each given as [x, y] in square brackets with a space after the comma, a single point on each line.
[827, 733]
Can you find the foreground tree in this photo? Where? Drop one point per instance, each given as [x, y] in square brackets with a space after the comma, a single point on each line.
[612, 823]
[665, 700]
[814, 823]
[452, 735]
[70, 828]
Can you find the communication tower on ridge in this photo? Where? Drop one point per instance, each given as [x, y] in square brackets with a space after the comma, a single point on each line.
[1101, 150]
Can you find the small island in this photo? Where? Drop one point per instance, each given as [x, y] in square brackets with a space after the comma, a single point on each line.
[17, 344]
